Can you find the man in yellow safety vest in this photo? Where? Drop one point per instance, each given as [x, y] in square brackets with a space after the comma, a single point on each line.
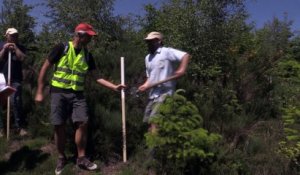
[72, 62]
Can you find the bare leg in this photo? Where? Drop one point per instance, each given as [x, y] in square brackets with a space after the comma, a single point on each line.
[60, 139]
[80, 138]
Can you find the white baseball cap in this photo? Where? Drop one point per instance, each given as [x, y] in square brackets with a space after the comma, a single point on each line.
[153, 35]
[11, 31]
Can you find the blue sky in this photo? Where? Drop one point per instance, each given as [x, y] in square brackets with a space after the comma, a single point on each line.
[260, 11]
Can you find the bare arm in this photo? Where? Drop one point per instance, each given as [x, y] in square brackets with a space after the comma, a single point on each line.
[105, 83]
[110, 85]
[181, 70]
[144, 86]
[2, 52]
[19, 54]
[13, 47]
[41, 84]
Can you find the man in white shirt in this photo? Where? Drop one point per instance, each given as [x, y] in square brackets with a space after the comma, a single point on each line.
[160, 67]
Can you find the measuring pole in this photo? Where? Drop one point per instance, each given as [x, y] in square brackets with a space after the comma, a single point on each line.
[8, 98]
[123, 111]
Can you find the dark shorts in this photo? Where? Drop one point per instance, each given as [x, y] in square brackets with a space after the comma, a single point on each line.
[65, 105]
[152, 107]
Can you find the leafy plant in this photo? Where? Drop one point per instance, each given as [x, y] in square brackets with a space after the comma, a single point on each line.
[288, 93]
[180, 137]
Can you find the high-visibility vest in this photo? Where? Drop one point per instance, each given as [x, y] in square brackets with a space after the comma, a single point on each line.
[71, 70]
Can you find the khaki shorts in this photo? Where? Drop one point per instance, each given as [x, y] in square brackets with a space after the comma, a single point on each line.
[65, 105]
[152, 107]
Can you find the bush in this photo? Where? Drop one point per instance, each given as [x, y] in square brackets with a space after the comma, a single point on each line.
[181, 143]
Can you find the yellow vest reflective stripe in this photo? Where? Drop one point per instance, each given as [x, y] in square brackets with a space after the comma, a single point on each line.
[64, 81]
[70, 70]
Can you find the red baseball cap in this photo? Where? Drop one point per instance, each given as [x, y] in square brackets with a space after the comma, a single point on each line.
[85, 28]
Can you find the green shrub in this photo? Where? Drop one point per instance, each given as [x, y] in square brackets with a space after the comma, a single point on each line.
[181, 142]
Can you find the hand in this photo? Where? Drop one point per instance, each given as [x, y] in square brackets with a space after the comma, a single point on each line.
[39, 98]
[119, 87]
[10, 46]
[142, 88]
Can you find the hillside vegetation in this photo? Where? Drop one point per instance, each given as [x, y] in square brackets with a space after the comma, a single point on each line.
[238, 112]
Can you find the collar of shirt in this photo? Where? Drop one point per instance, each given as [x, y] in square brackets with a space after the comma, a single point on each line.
[158, 50]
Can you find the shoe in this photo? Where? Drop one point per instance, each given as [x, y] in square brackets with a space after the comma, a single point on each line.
[61, 162]
[23, 132]
[84, 163]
